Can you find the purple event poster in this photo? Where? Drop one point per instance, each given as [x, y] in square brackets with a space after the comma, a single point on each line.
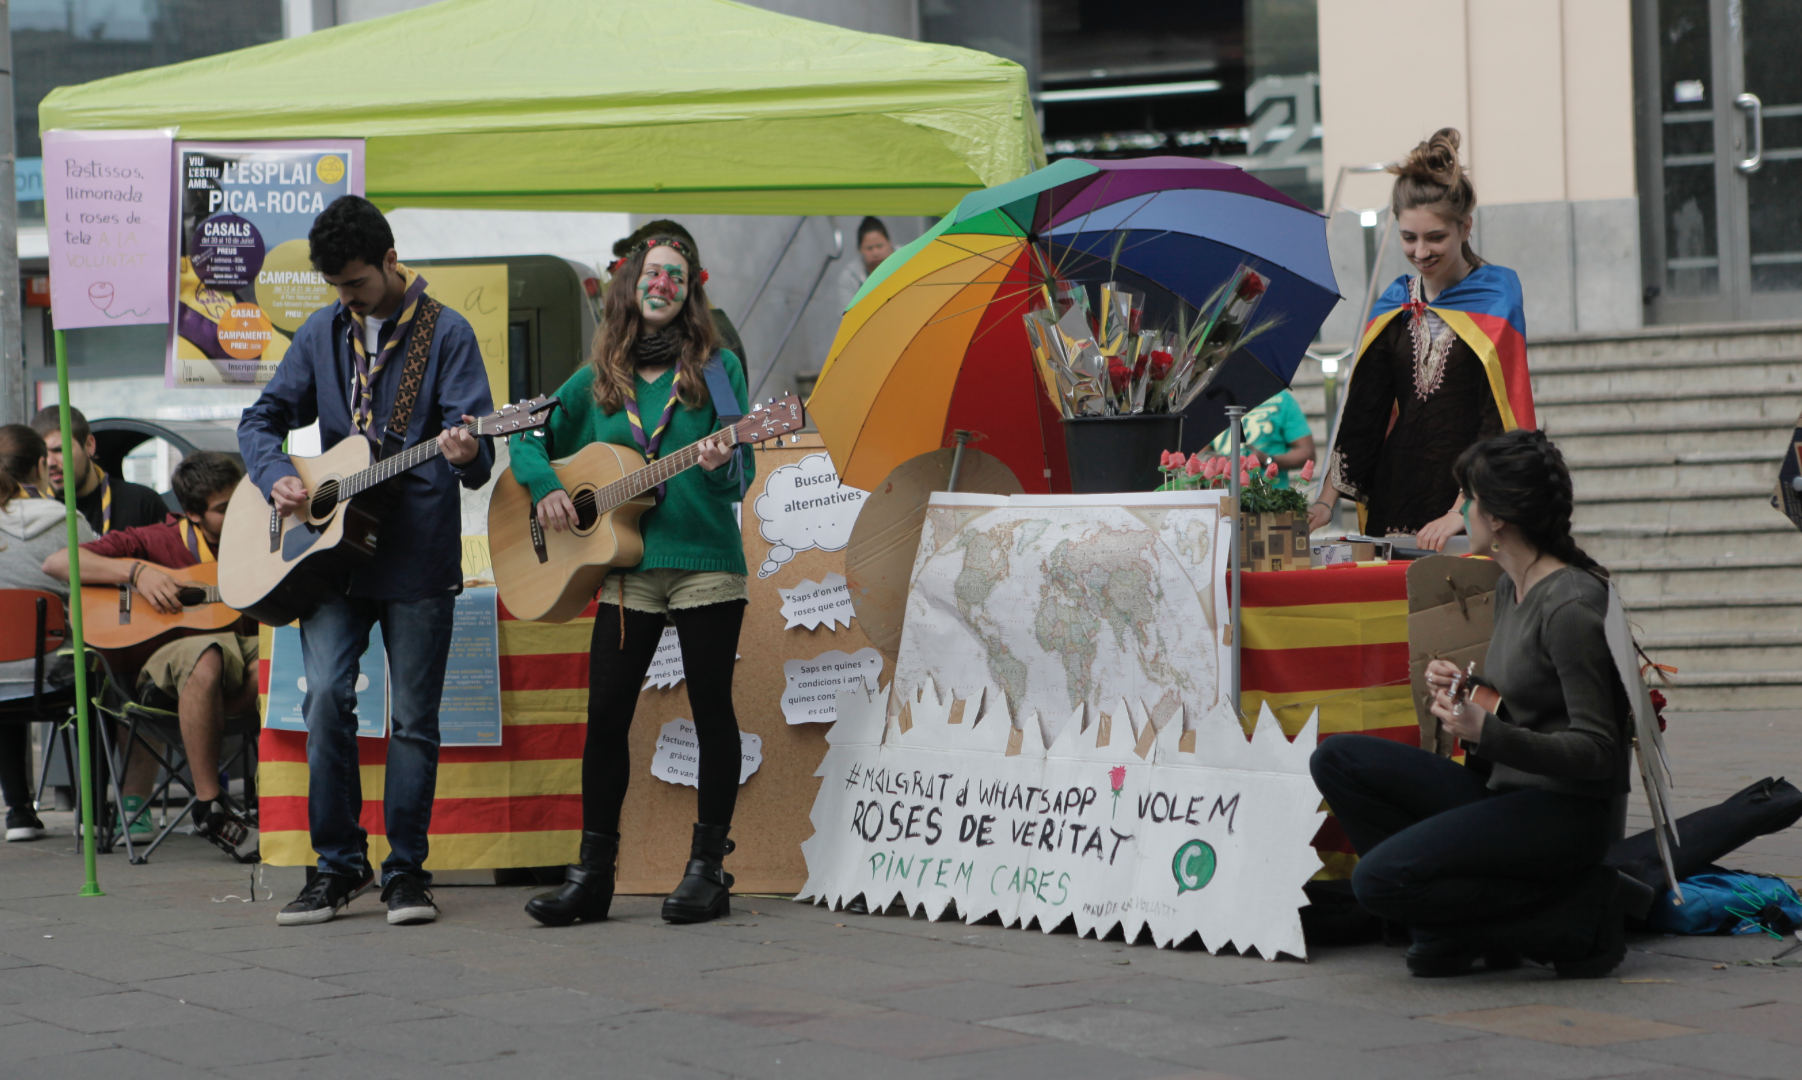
[107, 205]
[243, 278]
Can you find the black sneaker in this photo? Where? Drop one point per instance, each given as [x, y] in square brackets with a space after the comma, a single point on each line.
[228, 832]
[408, 900]
[23, 825]
[323, 898]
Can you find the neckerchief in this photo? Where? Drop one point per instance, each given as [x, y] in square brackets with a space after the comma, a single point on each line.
[649, 443]
[106, 499]
[363, 397]
[197, 545]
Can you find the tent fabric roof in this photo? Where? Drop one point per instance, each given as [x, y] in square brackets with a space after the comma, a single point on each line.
[687, 106]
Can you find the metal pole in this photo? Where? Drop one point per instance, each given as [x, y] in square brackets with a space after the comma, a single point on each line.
[12, 359]
[838, 239]
[957, 458]
[1234, 413]
[83, 722]
[744, 317]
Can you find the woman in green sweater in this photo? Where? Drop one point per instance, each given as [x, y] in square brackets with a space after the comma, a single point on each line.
[645, 387]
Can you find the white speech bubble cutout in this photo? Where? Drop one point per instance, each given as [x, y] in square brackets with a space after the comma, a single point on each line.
[813, 685]
[803, 507]
[677, 757]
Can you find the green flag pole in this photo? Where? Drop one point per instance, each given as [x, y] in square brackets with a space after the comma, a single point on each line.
[83, 737]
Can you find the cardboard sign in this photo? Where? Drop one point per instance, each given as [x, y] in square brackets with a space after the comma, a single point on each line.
[1114, 825]
[107, 213]
[1451, 615]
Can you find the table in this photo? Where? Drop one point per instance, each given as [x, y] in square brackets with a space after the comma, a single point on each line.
[1335, 640]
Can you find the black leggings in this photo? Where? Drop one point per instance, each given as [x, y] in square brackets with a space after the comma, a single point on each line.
[709, 636]
[1438, 849]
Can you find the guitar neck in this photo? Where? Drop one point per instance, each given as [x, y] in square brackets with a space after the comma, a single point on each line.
[634, 484]
[405, 461]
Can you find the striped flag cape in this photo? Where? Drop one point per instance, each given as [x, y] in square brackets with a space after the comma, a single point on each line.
[1484, 310]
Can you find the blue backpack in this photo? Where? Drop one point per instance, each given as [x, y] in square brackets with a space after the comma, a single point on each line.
[1729, 902]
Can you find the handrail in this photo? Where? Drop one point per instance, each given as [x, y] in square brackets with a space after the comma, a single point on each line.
[838, 240]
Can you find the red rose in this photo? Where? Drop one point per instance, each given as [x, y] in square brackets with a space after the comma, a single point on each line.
[1194, 467]
[1117, 374]
[1161, 362]
[1307, 470]
[1270, 473]
[1252, 286]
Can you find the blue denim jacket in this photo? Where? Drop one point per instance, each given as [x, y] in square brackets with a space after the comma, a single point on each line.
[421, 547]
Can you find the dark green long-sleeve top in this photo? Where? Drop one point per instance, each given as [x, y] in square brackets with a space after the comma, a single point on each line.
[1564, 713]
[693, 528]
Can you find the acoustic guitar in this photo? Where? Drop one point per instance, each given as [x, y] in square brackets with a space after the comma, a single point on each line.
[551, 576]
[276, 568]
[137, 620]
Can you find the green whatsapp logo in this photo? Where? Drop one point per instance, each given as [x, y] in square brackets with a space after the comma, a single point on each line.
[1193, 866]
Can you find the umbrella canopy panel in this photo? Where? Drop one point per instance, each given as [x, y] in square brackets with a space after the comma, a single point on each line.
[915, 360]
[688, 106]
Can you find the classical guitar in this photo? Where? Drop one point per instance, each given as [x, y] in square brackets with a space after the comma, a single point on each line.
[551, 576]
[276, 568]
[118, 616]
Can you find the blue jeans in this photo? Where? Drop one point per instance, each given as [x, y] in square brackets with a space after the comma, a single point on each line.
[417, 634]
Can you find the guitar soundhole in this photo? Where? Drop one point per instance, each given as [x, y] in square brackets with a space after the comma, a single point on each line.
[587, 512]
[324, 501]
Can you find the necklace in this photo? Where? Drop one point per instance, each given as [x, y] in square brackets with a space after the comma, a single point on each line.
[1429, 353]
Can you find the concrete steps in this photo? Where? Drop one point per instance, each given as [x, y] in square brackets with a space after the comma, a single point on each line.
[1673, 436]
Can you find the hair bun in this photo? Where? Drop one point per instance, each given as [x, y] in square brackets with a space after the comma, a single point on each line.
[1435, 160]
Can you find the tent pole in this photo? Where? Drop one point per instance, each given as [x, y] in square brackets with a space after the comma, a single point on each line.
[1235, 413]
[83, 735]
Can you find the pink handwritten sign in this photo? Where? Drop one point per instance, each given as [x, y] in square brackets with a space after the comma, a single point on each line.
[108, 208]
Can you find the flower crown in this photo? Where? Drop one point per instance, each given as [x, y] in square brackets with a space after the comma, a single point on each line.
[643, 247]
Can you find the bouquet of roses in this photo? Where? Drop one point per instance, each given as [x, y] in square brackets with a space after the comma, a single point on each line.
[1104, 363]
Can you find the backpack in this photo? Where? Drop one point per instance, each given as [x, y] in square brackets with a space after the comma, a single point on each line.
[1723, 901]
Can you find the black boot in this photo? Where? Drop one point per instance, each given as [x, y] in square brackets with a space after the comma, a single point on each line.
[587, 889]
[1582, 934]
[1439, 956]
[703, 893]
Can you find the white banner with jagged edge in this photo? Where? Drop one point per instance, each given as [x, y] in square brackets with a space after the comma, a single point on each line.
[1117, 823]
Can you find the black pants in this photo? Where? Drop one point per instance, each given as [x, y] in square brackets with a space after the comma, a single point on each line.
[709, 636]
[1438, 850]
[15, 765]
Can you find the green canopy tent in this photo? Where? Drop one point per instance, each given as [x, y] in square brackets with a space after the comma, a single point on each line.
[688, 106]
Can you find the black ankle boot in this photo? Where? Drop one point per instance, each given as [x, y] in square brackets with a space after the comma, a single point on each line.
[587, 889]
[1435, 956]
[704, 892]
[1582, 934]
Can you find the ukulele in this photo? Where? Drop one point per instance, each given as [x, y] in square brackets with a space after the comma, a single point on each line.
[551, 576]
[276, 568]
[138, 620]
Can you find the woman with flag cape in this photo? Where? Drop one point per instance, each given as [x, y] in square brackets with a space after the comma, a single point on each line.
[1442, 363]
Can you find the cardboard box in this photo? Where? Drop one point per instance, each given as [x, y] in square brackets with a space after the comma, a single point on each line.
[1275, 542]
[1451, 615]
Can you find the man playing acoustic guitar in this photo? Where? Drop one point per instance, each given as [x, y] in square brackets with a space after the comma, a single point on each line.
[349, 365]
[203, 677]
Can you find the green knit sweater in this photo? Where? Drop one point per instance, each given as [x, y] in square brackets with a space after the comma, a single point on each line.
[694, 527]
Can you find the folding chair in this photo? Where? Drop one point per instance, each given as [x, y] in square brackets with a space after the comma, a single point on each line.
[158, 716]
[33, 627]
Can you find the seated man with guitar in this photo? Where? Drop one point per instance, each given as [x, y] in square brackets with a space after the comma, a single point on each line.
[656, 379]
[203, 676]
[359, 368]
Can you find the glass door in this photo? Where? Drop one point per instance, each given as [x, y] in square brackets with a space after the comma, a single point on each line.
[1720, 95]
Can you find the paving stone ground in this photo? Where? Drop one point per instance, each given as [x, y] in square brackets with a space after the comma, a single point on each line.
[171, 975]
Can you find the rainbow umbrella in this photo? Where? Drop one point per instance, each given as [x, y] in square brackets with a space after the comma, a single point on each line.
[935, 342]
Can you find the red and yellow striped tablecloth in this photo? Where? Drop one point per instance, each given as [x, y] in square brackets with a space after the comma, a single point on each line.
[1334, 640]
[518, 804]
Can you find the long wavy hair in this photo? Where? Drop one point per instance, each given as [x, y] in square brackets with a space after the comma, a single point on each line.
[1521, 478]
[622, 324]
[22, 453]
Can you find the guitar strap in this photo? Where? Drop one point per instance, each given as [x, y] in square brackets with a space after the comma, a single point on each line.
[725, 406]
[412, 377]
